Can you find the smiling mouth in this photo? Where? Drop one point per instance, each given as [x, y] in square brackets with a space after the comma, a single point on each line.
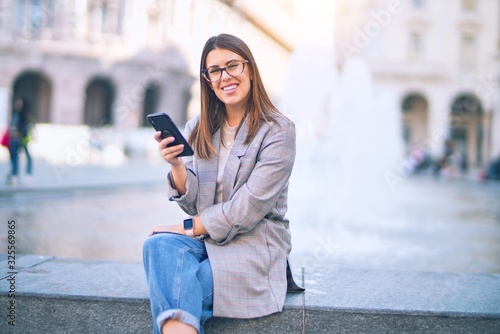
[228, 88]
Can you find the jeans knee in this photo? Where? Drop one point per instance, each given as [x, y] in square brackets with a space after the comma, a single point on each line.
[150, 244]
[161, 240]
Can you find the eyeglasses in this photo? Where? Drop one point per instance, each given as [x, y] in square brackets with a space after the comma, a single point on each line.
[214, 73]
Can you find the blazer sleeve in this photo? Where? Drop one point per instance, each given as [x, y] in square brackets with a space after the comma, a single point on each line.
[186, 202]
[259, 194]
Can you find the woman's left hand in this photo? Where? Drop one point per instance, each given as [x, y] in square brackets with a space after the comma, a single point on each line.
[178, 228]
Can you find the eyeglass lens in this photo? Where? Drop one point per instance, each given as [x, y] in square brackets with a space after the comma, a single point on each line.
[233, 69]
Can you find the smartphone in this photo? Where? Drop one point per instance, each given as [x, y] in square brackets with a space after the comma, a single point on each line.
[163, 123]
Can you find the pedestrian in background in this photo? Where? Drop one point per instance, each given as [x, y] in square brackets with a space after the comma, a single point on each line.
[231, 258]
[19, 136]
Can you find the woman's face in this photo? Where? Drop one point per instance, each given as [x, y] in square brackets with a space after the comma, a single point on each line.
[233, 91]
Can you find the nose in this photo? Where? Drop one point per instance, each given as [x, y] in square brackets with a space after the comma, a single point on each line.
[224, 75]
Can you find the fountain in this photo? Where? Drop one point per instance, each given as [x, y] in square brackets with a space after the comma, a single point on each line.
[348, 139]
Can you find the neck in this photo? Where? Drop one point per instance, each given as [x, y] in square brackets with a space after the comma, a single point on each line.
[234, 117]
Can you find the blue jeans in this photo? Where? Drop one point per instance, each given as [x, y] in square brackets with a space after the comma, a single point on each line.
[14, 147]
[179, 278]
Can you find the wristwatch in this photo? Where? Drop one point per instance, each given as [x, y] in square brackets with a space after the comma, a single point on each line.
[189, 227]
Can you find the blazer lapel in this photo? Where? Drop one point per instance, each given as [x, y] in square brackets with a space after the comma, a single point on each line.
[233, 162]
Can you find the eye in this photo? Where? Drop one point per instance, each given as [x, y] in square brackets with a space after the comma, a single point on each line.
[233, 65]
[214, 70]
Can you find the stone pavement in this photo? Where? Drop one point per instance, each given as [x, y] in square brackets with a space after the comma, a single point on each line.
[49, 177]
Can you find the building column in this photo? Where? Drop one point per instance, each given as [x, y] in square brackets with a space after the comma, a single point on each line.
[487, 140]
[438, 121]
[494, 119]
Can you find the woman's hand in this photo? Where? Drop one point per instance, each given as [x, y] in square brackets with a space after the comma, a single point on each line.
[169, 154]
[178, 228]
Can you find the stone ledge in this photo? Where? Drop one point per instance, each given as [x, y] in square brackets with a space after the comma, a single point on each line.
[74, 296]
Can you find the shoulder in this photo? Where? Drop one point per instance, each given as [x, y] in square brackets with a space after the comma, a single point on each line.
[281, 124]
[192, 123]
[285, 121]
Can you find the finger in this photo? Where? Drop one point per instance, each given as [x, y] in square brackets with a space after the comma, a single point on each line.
[172, 151]
[157, 136]
[166, 141]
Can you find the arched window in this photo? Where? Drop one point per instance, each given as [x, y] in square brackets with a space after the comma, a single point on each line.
[466, 128]
[37, 89]
[99, 97]
[415, 119]
[151, 102]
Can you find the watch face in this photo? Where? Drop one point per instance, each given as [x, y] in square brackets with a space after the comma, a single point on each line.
[188, 224]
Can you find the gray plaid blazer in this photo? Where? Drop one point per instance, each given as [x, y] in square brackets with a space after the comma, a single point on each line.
[249, 238]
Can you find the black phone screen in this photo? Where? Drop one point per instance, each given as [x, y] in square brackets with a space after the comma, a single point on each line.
[163, 123]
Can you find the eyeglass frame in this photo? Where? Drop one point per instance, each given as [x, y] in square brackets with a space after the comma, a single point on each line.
[204, 73]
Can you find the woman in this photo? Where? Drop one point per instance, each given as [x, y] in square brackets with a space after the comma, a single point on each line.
[235, 188]
[19, 130]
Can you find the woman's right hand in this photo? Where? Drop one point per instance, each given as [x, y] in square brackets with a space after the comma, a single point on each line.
[169, 154]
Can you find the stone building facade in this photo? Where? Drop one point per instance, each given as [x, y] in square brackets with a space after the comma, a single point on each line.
[441, 59]
[93, 69]
[74, 59]
[102, 65]
[81, 70]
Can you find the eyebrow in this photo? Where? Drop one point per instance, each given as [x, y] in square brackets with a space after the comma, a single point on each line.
[227, 62]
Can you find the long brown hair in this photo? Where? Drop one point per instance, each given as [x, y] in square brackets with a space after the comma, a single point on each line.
[258, 108]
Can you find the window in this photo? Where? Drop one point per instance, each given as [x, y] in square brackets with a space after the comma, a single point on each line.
[121, 13]
[468, 50]
[419, 4]
[469, 4]
[153, 37]
[416, 46]
[34, 15]
[20, 14]
[104, 17]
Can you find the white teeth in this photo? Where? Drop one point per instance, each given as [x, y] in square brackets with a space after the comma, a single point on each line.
[229, 87]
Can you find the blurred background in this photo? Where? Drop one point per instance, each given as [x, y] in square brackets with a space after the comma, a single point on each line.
[393, 100]
[95, 68]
